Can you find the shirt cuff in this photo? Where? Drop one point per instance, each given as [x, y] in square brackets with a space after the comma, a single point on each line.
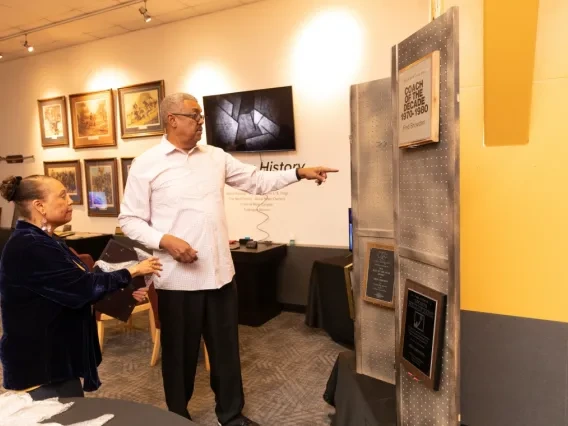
[155, 238]
[291, 176]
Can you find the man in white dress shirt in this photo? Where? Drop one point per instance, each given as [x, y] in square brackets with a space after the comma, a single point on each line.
[173, 203]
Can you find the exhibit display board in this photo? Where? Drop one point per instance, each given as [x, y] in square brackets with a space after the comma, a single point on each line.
[373, 244]
[426, 212]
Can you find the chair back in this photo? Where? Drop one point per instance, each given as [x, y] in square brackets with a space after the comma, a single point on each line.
[153, 296]
[87, 259]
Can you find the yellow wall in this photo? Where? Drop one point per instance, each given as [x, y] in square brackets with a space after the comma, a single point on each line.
[514, 199]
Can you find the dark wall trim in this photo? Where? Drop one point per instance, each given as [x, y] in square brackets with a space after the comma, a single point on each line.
[514, 371]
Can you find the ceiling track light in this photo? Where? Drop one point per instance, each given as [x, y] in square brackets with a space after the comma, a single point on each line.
[27, 45]
[144, 12]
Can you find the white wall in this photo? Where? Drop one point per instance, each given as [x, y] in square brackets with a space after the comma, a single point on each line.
[320, 47]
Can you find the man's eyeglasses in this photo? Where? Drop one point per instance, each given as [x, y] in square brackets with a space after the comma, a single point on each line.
[194, 116]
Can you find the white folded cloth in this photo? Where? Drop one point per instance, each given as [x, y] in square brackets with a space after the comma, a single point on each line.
[19, 409]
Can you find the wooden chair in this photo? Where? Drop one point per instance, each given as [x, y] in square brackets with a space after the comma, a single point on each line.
[155, 329]
[100, 317]
[151, 306]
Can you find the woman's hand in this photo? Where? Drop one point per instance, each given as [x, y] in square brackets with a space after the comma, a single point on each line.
[149, 266]
[140, 295]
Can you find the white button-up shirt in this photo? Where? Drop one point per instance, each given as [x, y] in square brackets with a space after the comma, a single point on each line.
[170, 191]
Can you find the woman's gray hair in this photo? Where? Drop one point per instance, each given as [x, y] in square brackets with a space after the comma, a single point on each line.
[173, 103]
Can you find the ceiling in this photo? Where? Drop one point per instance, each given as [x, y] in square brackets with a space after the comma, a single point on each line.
[18, 17]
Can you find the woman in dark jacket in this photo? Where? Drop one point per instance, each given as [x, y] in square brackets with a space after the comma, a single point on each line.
[49, 336]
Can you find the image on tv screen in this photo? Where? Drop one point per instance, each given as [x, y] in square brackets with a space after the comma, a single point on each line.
[251, 121]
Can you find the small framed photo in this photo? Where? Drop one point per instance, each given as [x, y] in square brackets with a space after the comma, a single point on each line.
[125, 164]
[92, 119]
[53, 122]
[140, 110]
[102, 187]
[69, 174]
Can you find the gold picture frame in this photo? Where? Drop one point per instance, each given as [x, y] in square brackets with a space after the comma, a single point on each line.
[53, 122]
[125, 164]
[92, 119]
[139, 107]
[102, 187]
[348, 274]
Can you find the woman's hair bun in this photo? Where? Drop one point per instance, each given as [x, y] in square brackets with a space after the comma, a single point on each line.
[9, 187]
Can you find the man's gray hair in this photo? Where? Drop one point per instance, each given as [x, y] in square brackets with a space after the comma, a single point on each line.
[173, 103]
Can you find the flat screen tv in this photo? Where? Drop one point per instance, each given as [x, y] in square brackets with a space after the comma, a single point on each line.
[251, 121]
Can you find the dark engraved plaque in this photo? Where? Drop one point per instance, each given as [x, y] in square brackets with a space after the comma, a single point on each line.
[379, 275]
[423, 319]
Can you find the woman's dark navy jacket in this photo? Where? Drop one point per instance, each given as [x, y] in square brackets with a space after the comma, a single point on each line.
[46, 297]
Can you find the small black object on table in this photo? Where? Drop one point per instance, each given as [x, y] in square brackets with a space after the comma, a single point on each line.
[256, 275]
[126, 413]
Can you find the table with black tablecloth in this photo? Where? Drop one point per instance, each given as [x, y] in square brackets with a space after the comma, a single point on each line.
[126, 413]
[328, 299]
[256, 274]
[359, 399]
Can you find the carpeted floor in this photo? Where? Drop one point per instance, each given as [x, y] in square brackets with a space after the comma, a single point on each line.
[285, 367]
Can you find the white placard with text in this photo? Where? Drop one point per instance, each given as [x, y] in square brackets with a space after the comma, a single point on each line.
[419, 101]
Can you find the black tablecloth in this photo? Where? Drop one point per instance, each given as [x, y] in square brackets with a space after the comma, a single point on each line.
[328, 304]
[126, 413]
[359, 399]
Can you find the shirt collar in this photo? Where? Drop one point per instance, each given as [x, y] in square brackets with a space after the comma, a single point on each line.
[167, 147]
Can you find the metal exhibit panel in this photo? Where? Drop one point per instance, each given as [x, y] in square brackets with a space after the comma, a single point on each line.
[420, 405]
[426, 202]
[375, 157]
[372, 192]
[378, 352]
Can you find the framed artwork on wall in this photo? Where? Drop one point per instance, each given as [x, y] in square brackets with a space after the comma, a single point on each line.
[102, 187]
[92, 119]
[125, 164]
[53, 121]
[140, 110]
[69, 174]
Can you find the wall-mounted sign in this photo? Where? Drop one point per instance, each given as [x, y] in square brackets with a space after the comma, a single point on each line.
[419, 101]
[423, 320]
[378, 281]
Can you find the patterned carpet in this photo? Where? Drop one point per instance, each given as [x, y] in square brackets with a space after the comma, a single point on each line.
[285, 368]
